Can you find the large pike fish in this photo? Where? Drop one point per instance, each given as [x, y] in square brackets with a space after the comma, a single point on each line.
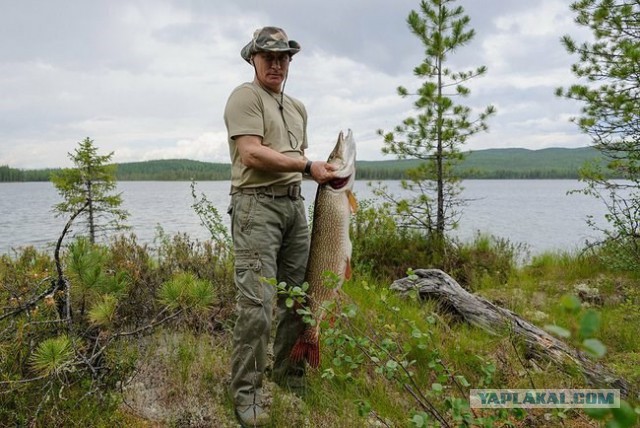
[330, 245]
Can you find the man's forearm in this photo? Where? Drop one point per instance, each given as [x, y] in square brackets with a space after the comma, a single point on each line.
[266, 159]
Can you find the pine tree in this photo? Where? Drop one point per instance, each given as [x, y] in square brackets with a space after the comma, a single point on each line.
[609, 68]
[90, 185]
[441, 126]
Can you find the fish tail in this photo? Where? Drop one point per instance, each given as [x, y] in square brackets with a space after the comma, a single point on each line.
[305, 350]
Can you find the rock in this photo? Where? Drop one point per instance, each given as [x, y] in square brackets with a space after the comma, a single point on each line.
[588, 294]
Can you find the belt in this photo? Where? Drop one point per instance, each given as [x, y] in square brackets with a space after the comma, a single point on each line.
[293, 191]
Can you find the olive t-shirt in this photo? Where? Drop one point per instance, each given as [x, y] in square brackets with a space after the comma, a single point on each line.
[252, 110]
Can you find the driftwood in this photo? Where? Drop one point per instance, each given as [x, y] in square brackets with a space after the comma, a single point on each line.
[435, 284]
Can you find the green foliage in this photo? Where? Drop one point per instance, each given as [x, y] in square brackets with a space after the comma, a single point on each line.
[8, 174]
[103, 312]
[173, 169]
[385, 250]
[294, 296]
[374, 344]
[587, 325]
[205, 259]
[487, 260]
[210, 218]
[53, 356]
[86, 189]
[442, 126]
[511, 163]
[386, 361]
[609, 92]
[185, 291]
[93, 286]
[380, 247]
[619, 252]
[549, 163]
[382, 340]
[609, 66]
[114, 292]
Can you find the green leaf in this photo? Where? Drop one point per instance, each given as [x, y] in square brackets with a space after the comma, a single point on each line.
[557, 330]
[418, 421]
[570, 303]
[289, 302]
[589, 324]
[436, 387]
[597, 414]
[594, 347]
[364, 407]
[352, 311]
[625, 415]
[328, 374]
[463, 381]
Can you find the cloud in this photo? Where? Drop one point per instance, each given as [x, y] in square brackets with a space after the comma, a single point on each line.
[150, 78]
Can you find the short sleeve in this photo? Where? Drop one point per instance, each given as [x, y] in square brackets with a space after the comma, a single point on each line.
[243, 114]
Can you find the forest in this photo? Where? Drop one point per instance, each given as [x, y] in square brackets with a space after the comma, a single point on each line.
[551, 163]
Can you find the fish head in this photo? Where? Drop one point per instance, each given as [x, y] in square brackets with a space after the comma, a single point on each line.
[343, 157]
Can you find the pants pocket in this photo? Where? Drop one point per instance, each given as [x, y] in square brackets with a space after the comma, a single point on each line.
[246, 212]
[248, 270]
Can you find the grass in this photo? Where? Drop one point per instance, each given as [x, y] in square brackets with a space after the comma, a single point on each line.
[178, 376]
[483, 359]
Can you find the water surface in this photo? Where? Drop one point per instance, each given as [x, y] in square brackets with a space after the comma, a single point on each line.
[538, 213]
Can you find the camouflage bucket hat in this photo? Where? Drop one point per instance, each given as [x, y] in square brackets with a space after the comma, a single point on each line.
[269, 39]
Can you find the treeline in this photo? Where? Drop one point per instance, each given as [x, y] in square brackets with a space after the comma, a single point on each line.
[8, 174]
[173, 170]
[552, 163]
[534, 174]
[157, 170]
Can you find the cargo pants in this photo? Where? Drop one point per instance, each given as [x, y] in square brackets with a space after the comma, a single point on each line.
[271, 240]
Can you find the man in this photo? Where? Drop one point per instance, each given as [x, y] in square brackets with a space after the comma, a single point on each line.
[267, 137]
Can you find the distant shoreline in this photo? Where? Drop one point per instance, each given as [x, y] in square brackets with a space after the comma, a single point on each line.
[494, 164]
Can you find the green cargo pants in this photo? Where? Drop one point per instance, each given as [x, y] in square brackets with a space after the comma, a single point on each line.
[271, 240]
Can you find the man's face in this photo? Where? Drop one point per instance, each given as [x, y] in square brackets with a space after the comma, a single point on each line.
[271, 69]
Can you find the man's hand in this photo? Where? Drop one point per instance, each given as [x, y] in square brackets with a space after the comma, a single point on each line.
[322, 172]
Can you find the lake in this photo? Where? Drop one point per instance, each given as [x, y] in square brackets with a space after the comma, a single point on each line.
[538, 213]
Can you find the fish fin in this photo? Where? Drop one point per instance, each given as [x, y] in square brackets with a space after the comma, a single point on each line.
[347, 271]
[352, 201]
[298, 351]
[313, 356]
[304, 350]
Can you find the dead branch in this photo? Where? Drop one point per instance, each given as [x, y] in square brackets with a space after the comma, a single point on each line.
[436, 284]
[56, 284]
[64, 306]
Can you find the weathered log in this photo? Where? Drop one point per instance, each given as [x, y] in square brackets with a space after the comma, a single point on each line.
[478, 311]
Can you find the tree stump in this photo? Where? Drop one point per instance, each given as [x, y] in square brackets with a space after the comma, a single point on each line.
[478, 311]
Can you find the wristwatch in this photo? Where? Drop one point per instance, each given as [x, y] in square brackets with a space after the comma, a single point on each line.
[307, 168]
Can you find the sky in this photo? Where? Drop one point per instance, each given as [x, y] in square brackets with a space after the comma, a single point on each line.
[149, 79]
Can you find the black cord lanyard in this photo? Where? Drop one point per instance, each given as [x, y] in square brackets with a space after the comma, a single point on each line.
[292, 137]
